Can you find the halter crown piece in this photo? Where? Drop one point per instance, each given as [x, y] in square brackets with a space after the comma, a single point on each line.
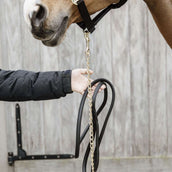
[88, 23]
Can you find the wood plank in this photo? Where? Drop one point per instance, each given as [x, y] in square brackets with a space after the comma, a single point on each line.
[157, 90]
[12, 59]
[3, 143]
[32, 116]
[121, 79]
[101, 62]
[138, 75]
[3, 128]
[66, 59]
[169, 99]
[51, 120]
[12, 32]
[3, 33]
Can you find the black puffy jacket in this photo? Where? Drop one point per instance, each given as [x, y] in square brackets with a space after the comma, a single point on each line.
[23, 85]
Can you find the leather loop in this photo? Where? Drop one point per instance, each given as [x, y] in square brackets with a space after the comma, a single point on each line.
[98, 132]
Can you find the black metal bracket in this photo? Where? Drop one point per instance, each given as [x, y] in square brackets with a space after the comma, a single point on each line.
[21, 153]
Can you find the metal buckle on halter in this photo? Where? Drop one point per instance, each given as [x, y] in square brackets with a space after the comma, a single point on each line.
[75, 2]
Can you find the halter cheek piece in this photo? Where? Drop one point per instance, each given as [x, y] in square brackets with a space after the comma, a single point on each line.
[88, 23]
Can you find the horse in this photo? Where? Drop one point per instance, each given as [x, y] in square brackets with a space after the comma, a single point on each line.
[49, 19]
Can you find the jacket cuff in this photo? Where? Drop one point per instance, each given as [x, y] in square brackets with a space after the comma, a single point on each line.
[66, 81]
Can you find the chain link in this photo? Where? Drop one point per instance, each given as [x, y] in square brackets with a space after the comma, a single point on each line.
[91, 130]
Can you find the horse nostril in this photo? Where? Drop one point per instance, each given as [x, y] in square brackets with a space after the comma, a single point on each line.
[41, 13]
[38, 16]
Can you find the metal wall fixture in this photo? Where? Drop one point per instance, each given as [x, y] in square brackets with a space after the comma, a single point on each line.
[21, 153]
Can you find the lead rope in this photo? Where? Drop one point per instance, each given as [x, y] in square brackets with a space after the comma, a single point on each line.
[90, 94]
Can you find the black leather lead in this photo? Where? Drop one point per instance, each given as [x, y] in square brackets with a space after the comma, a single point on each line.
[89, 23]
[98, 134]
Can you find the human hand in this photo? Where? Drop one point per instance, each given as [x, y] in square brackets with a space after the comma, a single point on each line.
[79, 82]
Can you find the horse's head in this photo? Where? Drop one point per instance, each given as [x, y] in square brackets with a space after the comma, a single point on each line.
[49, 19]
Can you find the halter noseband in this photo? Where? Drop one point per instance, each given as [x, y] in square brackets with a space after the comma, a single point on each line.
[88, 23]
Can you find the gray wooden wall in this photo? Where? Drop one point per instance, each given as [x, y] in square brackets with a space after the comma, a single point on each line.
[127, 49]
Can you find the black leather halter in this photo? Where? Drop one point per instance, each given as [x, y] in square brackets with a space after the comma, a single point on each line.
[88, 23]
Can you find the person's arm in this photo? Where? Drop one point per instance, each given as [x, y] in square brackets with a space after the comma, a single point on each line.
[162, 13]
[26, 85]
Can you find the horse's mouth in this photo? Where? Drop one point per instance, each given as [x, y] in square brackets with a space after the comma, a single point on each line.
[56, 38]
[53, 38]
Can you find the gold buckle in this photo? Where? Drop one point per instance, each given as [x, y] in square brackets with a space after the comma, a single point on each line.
[75, 2]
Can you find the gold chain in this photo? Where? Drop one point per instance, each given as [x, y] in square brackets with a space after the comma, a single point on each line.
[91, 132]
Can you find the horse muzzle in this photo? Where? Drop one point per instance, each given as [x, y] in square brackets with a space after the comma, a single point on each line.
[49, 34]
[54, 37]
[50, 37]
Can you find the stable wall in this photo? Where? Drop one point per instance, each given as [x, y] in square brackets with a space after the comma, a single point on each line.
[128, 49]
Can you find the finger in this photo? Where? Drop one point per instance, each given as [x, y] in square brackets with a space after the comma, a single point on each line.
[87, 82]
[82, 93]
[93, 88]
[103, 87]
[84, 71]
[92, 80]
[96, 85]
[100, 90]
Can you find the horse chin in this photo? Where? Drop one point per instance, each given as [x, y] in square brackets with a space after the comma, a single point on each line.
[58, 35]
[55, 40]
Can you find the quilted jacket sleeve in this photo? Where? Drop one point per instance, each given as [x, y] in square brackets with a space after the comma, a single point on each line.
[23, 85]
